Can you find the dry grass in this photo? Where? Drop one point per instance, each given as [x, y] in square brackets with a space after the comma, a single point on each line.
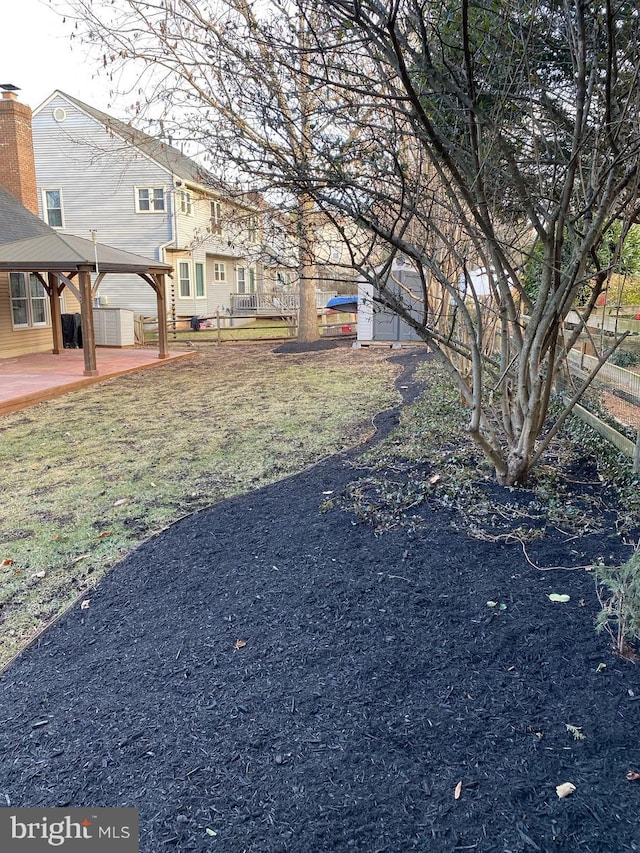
[90, 475]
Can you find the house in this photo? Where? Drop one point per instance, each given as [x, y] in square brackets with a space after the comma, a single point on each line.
[98, 175]
[44, 274]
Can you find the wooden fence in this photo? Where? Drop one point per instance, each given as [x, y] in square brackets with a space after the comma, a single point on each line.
[619, 391]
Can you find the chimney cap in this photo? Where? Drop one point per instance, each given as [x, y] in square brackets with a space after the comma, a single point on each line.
[9, 87]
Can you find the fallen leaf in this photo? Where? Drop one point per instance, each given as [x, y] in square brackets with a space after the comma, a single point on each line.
[554, 596]
[211, 832]
[565, 790]
[85, 604]
[6, 563]
[40, 575]
[239, 644]
[17, 571]
[458, 791]
[600, 667]
[435, 479]
[120, 502]
[492, 603]
[633, 776]
[105, 533]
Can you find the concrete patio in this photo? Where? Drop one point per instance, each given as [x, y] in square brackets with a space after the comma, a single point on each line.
[29, 379]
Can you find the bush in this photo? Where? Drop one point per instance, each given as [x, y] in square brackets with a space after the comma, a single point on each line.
[618, 589]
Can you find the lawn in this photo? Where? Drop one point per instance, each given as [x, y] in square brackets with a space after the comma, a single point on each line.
[94, 473]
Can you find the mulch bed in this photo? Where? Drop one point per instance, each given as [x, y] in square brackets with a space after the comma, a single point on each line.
[267, 677]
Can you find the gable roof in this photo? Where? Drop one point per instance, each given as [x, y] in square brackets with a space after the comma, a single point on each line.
[29, 244]
[165, 155]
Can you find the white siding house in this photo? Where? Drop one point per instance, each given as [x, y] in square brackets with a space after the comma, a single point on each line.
[98, 174]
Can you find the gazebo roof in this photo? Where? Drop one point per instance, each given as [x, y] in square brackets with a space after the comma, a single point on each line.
[29, 244]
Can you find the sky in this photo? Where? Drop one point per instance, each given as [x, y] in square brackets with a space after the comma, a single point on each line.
[36, 54]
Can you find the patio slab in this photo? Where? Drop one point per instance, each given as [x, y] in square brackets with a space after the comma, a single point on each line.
[29, 379]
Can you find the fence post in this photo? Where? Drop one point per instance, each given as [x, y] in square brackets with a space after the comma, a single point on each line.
[636, 455]
[218, 324]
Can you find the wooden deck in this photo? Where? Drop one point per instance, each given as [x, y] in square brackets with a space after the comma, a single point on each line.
[29, 379]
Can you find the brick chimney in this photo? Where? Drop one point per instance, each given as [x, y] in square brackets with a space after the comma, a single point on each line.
[17, 163]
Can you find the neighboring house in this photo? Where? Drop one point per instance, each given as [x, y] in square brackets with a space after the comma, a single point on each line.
[98, 174]
[46, 276]
[25, 312]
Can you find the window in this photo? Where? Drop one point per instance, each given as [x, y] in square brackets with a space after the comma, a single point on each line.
[186, 202]
[216, 224]
[28, 301]
[252, 229]
[252, 280]
[335, 255]
[219, 272]
[240, 276]
[184, 279]
[53, 207]
[150, 200]
[200, 281]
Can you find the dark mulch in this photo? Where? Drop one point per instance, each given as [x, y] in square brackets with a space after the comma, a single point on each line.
[312, 346]
[291, 682]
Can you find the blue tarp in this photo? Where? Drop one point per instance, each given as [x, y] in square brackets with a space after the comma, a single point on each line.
[343, 303]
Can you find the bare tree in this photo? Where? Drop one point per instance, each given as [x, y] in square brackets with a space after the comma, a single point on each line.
[205, 72]
[467, 138]
[466, 135]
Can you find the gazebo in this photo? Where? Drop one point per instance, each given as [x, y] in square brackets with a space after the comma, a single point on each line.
[29, 245]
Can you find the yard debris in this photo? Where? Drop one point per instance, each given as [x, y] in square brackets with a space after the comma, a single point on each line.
[434, 479]
[85, 604]
[81, 557]
[6, 563]
[105, 533]
[576, 731]
[39, 724]
[554, 596]
[239, 644]
[458, 791]
[120, 502]
[633, 776]
[40, 575]
[565, 790]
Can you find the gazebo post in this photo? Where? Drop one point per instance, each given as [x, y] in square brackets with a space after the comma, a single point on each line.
[86, 309]
[161, 300]
[56, 314]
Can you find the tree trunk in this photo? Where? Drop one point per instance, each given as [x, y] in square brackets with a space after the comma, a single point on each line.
[308, 313]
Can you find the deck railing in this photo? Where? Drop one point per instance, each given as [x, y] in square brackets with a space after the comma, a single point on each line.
[275, 303]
